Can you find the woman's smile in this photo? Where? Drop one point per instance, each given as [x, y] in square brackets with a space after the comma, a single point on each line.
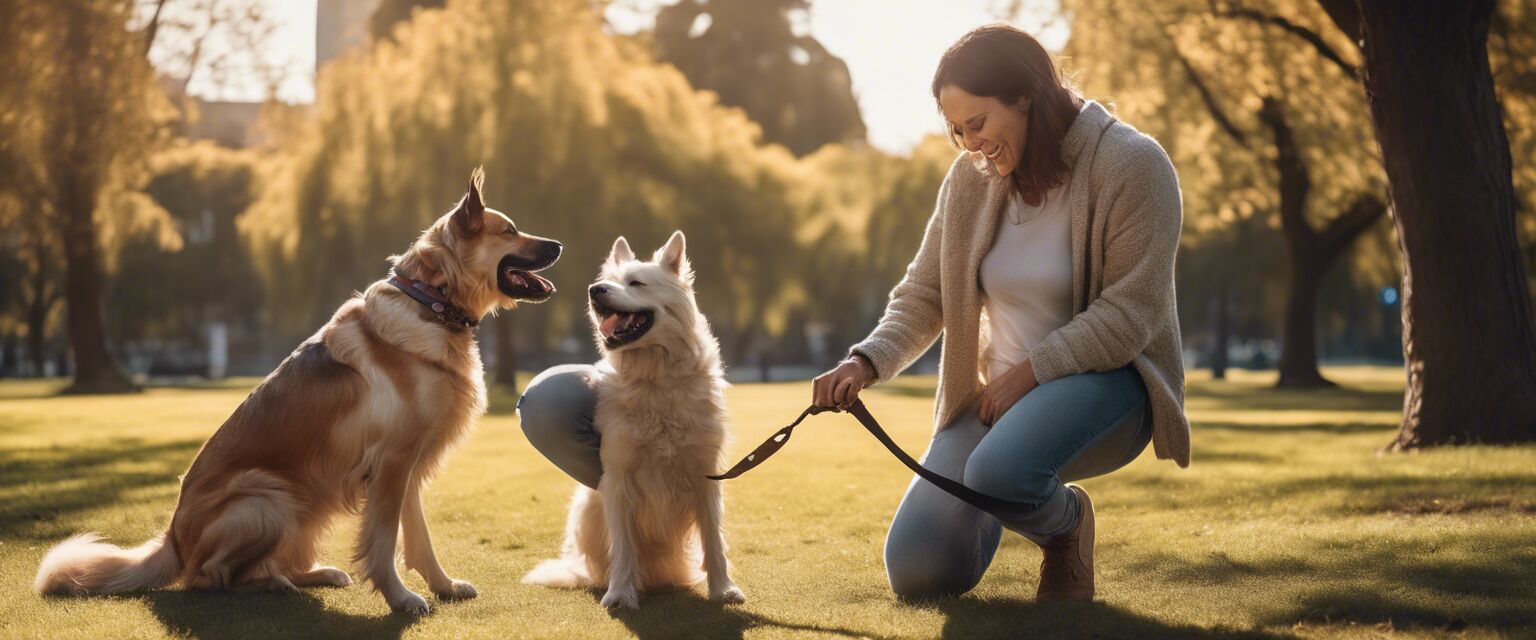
[996, 156]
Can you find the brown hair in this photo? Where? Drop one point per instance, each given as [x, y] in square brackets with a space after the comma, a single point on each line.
[1000, 61]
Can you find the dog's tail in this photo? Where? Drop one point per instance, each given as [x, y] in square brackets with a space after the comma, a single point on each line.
[84, 564]
[561, 573]
[584, 528]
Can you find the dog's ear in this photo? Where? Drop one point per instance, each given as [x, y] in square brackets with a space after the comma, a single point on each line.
[469, 216]
[672, 255]
[621, 252]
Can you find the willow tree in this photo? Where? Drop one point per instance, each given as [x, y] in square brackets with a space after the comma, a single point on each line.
[583, 137]
[1259, 115]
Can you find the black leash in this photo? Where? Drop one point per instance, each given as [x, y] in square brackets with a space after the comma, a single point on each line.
[993, 505]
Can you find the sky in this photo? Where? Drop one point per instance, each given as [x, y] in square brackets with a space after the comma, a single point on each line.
[891, 48]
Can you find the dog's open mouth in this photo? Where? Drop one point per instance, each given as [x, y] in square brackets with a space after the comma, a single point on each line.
[522, 284]
[619, 328]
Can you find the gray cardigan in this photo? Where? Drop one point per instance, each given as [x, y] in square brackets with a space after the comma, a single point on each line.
[1126, 216]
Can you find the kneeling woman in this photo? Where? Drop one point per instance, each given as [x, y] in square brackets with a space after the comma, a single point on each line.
[1048, 268]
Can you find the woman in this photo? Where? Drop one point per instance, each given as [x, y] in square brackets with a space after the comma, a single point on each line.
[1048, 268]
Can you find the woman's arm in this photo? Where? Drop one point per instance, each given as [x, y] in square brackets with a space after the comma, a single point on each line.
[1146, 214]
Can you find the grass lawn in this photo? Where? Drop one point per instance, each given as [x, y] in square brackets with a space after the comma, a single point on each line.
[1288, 524]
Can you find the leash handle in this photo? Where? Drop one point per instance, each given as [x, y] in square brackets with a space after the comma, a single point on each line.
[990, 504]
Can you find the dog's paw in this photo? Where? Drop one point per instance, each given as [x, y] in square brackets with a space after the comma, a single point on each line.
[412, 604]
[332, 577]
[459, 590]
[626, 598]
[731, 594]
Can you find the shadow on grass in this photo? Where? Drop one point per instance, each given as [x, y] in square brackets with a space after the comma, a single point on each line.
[1211, 397]
[1390, 587]
[53, 389]
[685, 614]
[1333, 428]
[967, 618]
[46, 485]
[1393, 492]
[212, 614]
[1230, 456]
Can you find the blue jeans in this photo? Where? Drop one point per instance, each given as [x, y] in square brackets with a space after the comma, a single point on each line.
[556, 413]
[1076, 427]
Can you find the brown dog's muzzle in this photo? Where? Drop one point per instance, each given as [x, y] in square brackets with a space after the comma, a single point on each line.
[516, 274]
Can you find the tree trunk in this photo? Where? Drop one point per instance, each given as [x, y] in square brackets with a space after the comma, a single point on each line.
[37, 313]
[95, 369]
[506, 352]
[1468, 339]
[77, 175]
[1223, 329]
[1298, 344]
[1311, 252]
[8, 357]
[37, 336]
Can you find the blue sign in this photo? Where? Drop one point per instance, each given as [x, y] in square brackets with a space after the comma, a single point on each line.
[1388, 296]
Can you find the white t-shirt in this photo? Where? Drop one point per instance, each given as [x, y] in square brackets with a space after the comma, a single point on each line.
[1026, 279]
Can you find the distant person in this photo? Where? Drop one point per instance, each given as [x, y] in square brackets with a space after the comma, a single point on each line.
[1048, 268]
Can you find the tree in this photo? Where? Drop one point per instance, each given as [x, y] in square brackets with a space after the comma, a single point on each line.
[865, 212]
[82, 111]
[1279, 132]
[584, 136]
[754, 54]
[83, 116]
[170, 288]
[31, 289]
[392, 12]
[1225, 284]
[1468, 336]
[103, 119]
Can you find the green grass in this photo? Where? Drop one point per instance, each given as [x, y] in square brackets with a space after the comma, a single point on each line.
[1290, 523]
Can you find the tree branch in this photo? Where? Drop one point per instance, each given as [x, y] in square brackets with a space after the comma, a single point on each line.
[1346, 16]
[1362, 213]
[1211, 105]
[1295, 181]
[1310, 36]
[153, 27]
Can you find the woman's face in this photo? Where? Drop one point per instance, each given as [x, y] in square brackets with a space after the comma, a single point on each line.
[987, 126]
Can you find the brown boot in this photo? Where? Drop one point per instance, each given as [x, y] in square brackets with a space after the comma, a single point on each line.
[1066, 573]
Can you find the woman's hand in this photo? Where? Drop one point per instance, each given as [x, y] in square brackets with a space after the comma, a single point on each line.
[840, 386]
[1001, 394]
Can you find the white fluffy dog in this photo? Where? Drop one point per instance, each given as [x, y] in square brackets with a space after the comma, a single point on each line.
[661, 414]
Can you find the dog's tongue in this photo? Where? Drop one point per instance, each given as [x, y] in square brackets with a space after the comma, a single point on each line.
[610, 324]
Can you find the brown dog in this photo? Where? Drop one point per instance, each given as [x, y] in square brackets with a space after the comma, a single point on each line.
[356, 419]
